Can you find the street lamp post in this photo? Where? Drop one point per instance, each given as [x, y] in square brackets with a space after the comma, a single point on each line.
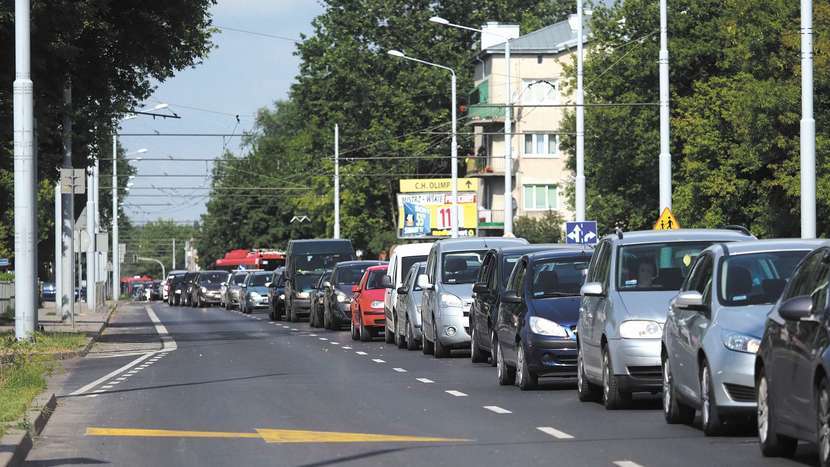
[453, 145]
[808, 125]
[665, 155]
[580, 120]
[508, 132]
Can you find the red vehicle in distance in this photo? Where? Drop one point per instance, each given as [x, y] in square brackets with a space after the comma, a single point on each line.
[368, 317]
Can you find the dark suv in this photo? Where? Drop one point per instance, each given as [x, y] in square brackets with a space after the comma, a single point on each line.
[276, 294]
[337, 310]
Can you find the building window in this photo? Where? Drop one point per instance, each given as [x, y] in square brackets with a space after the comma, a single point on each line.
[541, 197]
[539, 144]
[540, 91]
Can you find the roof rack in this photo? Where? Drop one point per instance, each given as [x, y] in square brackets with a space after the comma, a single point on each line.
[739, 228]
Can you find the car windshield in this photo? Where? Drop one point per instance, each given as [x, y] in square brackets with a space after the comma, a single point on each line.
[375, 280]
[306, 280]
[349, 275]
[558, 277]
[508, 264]
[757, 278]
[212, 277]
[238, 279]
[461, 267]
[317, 263]
[656, 266]
[259, 280]
[408, 261]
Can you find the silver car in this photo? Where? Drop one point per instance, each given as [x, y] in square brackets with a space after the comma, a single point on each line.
[631, 279]
[452, 269]
[408, 309]
[714, 327]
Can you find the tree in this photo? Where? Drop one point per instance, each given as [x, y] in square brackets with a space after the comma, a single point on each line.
[156, 240]
[545, 229]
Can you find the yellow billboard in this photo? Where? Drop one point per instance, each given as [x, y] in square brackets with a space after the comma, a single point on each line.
[429, 215]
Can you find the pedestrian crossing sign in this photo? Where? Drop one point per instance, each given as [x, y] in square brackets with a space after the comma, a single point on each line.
[666, 221]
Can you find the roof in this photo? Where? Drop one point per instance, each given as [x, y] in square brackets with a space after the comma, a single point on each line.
[478, 243]
[561, 252]
[548, 40]
[379, 267]
[525, 249]
[365, 262]
[679, 235]
[780, 244]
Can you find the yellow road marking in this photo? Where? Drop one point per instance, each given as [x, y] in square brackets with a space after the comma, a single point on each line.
[272, 436]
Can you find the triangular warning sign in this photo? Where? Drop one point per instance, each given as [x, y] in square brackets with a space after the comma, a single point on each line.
[666, 221]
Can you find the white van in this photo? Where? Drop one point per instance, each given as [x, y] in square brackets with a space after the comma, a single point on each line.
[403, 257]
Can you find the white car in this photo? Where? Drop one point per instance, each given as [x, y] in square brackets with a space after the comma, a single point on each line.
[403, 257]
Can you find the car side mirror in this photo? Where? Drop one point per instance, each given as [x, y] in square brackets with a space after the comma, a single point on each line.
[796, 309]
[480, 288]
[355, 289]
[327, 284]
[244, 286]
[592, 289]
[689, 299]
[386, 282]
[402, 291]
[423, 282]
[510, 297]
[269, 284]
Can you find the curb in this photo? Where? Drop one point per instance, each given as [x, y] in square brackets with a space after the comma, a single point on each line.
[16, 443]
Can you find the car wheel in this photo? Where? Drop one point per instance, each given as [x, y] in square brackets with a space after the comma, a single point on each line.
[586, 390]
[411, 343]
[227, 305]
[674, 411]
[493, 343]
[525, 378]
[365, 333]
[476, 354]
[388, 336]
[772, 444]
[612, 396]
[355, 334]
[441, 350]
[294, 316]
[709, 417]
[823, 423]
[427, 347]
[505, 374]
[400, 336]
[326, 319]
[199, 302]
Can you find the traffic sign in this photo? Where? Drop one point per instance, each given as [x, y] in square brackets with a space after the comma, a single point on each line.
[666, 221]
[4, 262]
[73, 181]
[434, 185]
[584, 233]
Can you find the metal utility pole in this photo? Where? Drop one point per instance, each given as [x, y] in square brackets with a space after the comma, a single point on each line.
[580, 120]
[336, 181]
[25, 221]
[508, 147]
[90, 246]
[57, 269]
[665, 155]
[808, 125]
[174, 253]
[454, 161]
[66, 303]
[116, 263]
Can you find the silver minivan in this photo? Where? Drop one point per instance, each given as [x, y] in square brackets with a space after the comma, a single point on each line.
[452, 269]
[714, 327]
[631, 279]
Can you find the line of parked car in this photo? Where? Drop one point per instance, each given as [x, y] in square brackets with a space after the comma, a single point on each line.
[719, 322]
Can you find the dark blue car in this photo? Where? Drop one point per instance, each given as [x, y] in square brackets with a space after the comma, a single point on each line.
[537, 316]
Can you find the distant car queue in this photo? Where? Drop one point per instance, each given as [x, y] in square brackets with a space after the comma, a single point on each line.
[720, 323]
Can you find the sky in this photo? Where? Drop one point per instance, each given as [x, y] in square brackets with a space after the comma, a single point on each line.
[244, 73]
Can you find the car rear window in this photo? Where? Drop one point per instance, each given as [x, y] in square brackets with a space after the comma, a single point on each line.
[461, 267]
[559, 277]
[656, 266]
[375, 280]
[259, 280]
[756, 278]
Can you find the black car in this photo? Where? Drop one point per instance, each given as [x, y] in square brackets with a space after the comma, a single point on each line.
[793, 363]
[317, 299]
[338, 292]
[305, 261]
[188, 282]
[174, 291]
[536, 323]
[206, 289]
[493, 274]
[276, 294]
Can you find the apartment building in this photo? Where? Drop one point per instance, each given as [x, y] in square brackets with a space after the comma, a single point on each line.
[539, 174]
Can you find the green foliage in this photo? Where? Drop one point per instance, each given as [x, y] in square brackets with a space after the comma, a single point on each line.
[545, 229]
[155, 240]
[393, 117]
[114, 53]
[735, 110]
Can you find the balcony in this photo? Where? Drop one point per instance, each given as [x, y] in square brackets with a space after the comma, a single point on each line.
[489, 167]
[485, 113]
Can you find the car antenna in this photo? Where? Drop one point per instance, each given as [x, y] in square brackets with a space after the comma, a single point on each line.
[619, 232]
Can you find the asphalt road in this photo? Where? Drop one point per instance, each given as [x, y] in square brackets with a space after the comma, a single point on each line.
[222, 388]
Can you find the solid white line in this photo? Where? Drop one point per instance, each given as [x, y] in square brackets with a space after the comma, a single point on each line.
[360, 352]
[455, 393]
[425, 380]
[126, 354]
[109, 376]
[99, 391]
[627, 464]
[399, 370]
[554, 432]
[496, 409]
[167, 341]
[377, 360]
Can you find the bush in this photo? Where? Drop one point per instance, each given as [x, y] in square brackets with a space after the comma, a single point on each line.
[546, 229]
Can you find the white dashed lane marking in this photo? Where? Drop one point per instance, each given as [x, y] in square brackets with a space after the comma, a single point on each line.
[425, 380]
[496, 409]
[377, 360]
[399, 370]
[360, 352]
[455, 393]
[334, 343]
[627, 464]
[346, 347]
[554, 432]
[323, 339]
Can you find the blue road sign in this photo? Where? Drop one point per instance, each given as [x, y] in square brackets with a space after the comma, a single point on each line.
[581, 232]
[4, 262]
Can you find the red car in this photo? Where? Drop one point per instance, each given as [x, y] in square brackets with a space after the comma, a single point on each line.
[367, 304]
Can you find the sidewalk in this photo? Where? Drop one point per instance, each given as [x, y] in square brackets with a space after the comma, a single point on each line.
[86, 321]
